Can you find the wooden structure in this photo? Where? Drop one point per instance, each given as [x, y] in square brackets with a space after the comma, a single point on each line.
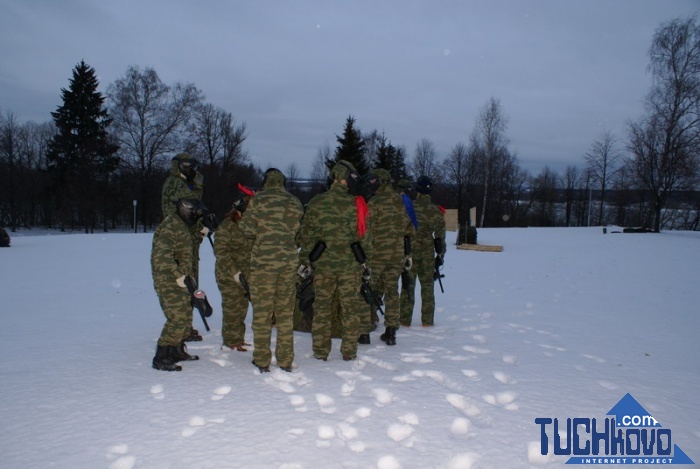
[480, 247]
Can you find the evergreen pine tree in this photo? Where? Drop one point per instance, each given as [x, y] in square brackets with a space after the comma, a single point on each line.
[391, 158]
[80, 154]
[351, 148]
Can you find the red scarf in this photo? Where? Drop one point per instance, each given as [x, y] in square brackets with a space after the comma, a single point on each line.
[362, 214]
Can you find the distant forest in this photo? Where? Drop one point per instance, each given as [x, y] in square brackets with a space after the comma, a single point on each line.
[100, 162]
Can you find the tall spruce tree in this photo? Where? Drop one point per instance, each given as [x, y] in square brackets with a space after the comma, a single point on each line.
[80, 154]
[391, 158]
[351, 147]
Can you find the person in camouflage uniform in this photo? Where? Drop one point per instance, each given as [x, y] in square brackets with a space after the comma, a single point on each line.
[331, 217]
[185, 182]
[272, 221]
[431, 226]
[388, 225]
[171, 263]
[232, 251]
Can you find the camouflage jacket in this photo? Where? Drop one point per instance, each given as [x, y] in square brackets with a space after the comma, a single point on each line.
[232, 250]
[431, 223]
[176, 187]
[272, 221]
[388, 224]
[171, 252]
[331, 217]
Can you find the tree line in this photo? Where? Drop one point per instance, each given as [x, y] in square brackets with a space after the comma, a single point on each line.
[102, 153]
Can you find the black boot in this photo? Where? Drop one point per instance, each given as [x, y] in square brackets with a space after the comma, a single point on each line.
[193, 336]
[179, 354]
[163, 361]
[389, 336]
[363, 339]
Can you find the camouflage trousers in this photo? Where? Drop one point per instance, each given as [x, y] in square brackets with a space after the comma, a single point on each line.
[385, 278]
[272, 294]
[423, 270]
[347, 288]
[234, 308]
[196, 241]
[175, 303]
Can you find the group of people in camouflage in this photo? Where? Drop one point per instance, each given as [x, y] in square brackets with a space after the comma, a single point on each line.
[263, 248]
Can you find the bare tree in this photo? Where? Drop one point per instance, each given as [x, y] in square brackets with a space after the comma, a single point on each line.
[571, 181]
[603, 159]
[373, 141]
[150, 118]
[490, 140]
[319, 169]
[10, 169]
[665, 143]
[424, 162]
[459, 172]
[292, 175]
[545, 196]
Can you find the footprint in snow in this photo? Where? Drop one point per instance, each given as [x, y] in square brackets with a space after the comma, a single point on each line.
[220, 392]
[463, 461]
[552, 347]
[439, 377]
[350, 378]
[157, 391]
[382, 397]
[326, 403]
[295, 432]
[195, 423]
[607, 385]
[479, 338]
[503, 399]
[298, 402]
[360, 413]
[379, 363]
[502, 377]
[464, 404]
[593, 357]
[285, 381]
[509, 359]
[472, 349]
[415, 358]
[400, 432]
[120, 458]
[388, 462]
[472, 374]
[460, 426]
[325, 434]
[403, 378]
[222, 363]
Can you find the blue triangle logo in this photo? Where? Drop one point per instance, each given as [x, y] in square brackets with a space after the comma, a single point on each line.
[630, 413]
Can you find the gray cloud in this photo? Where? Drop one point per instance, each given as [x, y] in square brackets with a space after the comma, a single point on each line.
[563, 70]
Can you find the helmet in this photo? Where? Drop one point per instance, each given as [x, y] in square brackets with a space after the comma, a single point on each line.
[187, 165]
[190, 210]
[275, 177]
[345, 170]
[424, 185]
[403, 185]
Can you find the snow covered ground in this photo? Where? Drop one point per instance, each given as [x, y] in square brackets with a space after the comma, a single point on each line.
[563, 323]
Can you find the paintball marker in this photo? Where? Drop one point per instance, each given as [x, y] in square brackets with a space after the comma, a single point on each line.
[209, 220]
[439, 251]
[405, 278]
[199, 300]
[244, 283]
[367, 293]
[306, 274]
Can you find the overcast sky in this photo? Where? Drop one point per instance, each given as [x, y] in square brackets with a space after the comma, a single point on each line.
[563, 70]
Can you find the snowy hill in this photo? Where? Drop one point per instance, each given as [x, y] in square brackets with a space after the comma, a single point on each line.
[563, 323]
